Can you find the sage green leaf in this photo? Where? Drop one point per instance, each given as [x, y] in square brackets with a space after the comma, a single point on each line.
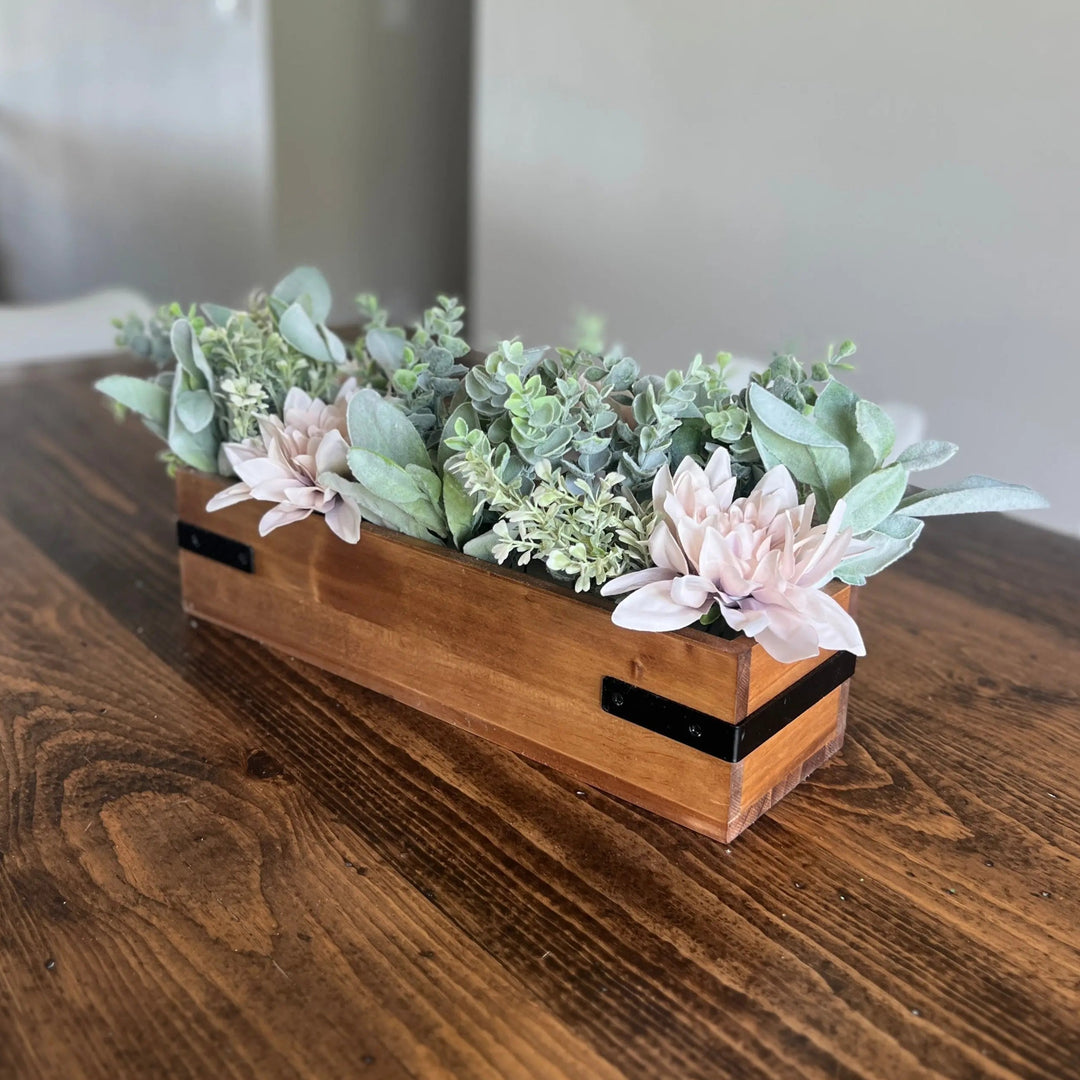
[372, 508]
[972, 495]
[188, 351]
[217, 314]
[195, 409]
[927, 455]
[385, 348]
[874, 498]
[310, 288]
[146, 398]
[891, 540]
[876, 428]
[482, 546]
[299, 330]
[835, 412]
[785, 436]
[460, 508]
[390, 482]
[199, 449]
[427, 480]
[464, 411]
[377, 425]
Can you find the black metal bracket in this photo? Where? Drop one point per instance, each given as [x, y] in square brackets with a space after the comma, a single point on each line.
[719, 738]
[215, 546]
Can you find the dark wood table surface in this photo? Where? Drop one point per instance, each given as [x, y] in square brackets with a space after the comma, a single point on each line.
[219, 862]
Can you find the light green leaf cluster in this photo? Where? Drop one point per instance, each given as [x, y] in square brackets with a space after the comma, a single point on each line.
[421, 372]
[229, 367]
[837, 445]
[587, 534]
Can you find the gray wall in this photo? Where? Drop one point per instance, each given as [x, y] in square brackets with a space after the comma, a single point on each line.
[767, 175]
[194, 148]
[134, 148]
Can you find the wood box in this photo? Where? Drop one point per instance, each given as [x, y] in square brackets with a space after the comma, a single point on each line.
[705, 731]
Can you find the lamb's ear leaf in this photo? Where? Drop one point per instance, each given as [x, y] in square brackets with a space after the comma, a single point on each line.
[386, 348]
[926, 455]
[460, 508]
[389, 481]
[874, 498]
[188, 351]
[377, 425]
[482, 546]
[300, 331]
[787, 437]
[375, 510]
[876, 428]
[835, 412]
[307, 286]
[891, 540]
[149, 399]
[199, 449]
[195, 409]
[972, 495]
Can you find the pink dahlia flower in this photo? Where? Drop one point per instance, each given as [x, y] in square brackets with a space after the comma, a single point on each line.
[760, 559]
[283, 465]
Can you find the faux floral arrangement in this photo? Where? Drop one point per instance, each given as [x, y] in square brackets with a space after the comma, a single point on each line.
[732, 509]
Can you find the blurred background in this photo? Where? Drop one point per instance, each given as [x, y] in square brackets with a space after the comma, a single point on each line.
[706, 174]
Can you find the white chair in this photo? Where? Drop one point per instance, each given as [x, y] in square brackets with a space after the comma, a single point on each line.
[68, 328]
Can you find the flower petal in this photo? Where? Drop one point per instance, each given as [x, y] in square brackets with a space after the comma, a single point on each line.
[628, 582]
[344, 519]
[665, 550]
[652, 608]
[229, 497]
[836, 629]
[279, 515]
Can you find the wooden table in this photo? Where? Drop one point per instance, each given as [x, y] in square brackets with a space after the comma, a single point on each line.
[220, 862]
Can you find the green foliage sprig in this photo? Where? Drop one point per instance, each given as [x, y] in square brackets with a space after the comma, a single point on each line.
[587, 534]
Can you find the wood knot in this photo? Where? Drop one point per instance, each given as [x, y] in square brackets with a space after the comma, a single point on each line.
[263, 766]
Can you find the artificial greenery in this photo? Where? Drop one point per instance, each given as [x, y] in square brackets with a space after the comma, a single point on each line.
[530, 453]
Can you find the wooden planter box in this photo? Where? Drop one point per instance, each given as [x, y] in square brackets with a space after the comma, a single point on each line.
[707, 732]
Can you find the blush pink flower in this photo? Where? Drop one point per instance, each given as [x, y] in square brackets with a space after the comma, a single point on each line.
[282, 466]
[759, 558]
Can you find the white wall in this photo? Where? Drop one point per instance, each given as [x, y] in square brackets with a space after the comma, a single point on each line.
[773, 175]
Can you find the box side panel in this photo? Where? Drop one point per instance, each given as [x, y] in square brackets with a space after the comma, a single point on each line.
[764, 777]
[488, 617]
[557, 722]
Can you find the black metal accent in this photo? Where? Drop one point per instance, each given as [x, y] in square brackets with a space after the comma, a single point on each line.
[215, 546]
[718, 738]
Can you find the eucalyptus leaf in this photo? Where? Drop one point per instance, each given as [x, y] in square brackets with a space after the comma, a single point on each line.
[217, 314]
[972, 495]
[307, 286]
[891, 540]
[385, 348]
[926, 455]
[377, 425]
[874, 498]
[299, 330]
